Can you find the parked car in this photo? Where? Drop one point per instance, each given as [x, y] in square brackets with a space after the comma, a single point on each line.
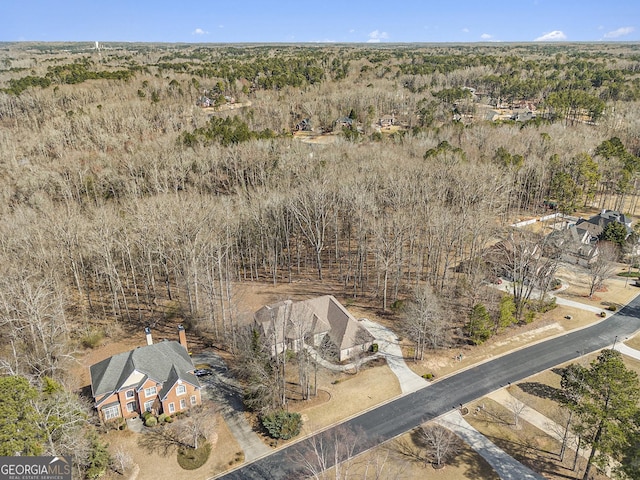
[203, 372]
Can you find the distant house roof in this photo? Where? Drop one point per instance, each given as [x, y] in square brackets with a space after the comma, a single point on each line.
[574, 241]
[344, 121]
[596, 224]
[163, 362]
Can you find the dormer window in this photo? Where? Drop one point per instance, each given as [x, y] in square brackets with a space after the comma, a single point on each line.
[181, 389]
[129, 394]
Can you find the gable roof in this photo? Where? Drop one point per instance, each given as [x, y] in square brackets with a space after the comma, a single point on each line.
[596, 224]
[290, 320]
[316, 315]
[160, 362]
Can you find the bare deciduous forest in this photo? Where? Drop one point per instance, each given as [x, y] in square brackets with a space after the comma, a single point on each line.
[142, 182]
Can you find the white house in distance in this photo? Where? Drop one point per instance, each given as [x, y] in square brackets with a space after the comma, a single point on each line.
[313, 322]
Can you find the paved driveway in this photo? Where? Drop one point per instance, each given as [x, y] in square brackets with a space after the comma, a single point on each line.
[227, 394]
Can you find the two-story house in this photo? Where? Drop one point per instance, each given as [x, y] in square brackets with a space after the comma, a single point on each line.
[158, 377]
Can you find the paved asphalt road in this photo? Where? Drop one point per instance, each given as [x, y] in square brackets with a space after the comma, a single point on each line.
[409, 411]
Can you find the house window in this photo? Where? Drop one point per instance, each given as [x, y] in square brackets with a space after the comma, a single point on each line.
[183, 403]
[172, 407]
[131, 407]
[148, 406]
[194, 400]
[151, 391]
[111, 412]
[129, 394]
[181, 390]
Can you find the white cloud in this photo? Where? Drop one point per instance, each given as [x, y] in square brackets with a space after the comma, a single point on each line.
[220, 26]
[465, 30]
[376, 36]
[199, 31]
[486, 36]
[620, 32]
[555, 36]
[352, 30]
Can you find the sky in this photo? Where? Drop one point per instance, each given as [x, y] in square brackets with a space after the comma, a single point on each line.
[357, 21]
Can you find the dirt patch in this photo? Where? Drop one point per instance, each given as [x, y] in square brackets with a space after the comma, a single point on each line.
[316, 138]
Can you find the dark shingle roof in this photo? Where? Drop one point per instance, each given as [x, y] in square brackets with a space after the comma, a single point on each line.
[162, 362]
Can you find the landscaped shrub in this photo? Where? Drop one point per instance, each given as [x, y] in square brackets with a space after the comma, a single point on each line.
[162, 418]
[603, 314]
[612, 308]
[151, 421]
[192, 458]
[281, 424]
[427, 376]
[168, 420]
[374, 347]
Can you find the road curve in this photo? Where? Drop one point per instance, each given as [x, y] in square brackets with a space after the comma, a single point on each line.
[407, 412]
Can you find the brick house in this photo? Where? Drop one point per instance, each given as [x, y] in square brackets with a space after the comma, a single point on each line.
[158, 377]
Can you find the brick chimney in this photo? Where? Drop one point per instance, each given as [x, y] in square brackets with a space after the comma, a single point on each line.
[147, 332]
[183, 337]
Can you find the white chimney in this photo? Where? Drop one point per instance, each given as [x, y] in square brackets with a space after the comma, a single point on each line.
[147, 332]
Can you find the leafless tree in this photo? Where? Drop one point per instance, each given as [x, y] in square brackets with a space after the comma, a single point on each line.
[517, 408]
[121, 460]
[602, 268]
[32, 313]
[440, 443]
[326, 455]
[199, 423]
[311, 208]
[519, 257]
[425, 323]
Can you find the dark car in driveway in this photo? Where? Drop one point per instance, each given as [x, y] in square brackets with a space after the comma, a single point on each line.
[203, 372]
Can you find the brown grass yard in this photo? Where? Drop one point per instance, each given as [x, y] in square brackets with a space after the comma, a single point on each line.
[225, 453]
[395, 459]
[529, 445]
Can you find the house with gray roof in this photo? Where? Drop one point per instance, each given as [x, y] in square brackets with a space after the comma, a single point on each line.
[573, 245]
[157, 377]
[322, 320]
[596, 224]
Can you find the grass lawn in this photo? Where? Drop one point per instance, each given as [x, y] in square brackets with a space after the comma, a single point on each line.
[192, 458]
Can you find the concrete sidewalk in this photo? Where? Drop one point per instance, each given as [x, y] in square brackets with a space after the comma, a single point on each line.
[505, 466]
[628, 351]
[506, 286]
